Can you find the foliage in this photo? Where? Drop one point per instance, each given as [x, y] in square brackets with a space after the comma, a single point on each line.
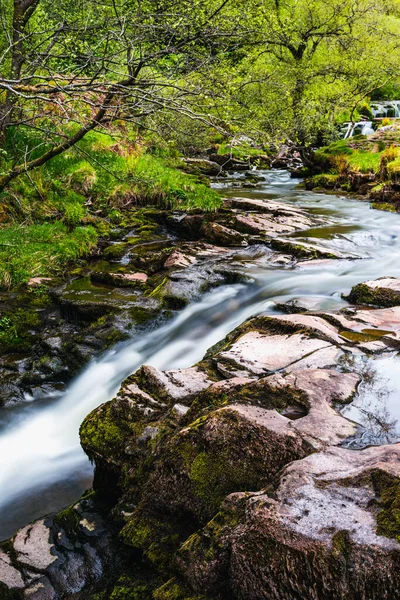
[40, 250]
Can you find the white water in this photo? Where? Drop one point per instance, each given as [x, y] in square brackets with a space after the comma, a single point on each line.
[42, 466]
[388, 108]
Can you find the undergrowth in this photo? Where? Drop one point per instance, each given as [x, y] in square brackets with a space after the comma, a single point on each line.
[55, 213]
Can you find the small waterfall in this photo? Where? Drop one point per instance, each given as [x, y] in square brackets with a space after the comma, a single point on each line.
[387, 109]
[359, 128]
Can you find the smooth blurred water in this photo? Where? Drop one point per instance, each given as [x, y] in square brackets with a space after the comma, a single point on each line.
[42, 467]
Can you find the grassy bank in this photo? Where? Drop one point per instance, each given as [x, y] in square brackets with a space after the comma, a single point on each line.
[368, 166]
[55, 214]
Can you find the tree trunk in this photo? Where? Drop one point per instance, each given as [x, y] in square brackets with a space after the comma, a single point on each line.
[22, 12]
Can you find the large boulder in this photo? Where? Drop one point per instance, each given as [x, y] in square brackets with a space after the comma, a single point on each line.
[384, 292]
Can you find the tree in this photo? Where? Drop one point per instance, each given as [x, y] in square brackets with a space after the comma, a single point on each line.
[313, 59]
[68, 68]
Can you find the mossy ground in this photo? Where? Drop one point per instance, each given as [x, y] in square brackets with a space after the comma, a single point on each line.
[369, 166]
[56, 214]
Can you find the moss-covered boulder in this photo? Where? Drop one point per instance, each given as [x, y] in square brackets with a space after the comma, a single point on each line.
[384, 292]
[329, 531]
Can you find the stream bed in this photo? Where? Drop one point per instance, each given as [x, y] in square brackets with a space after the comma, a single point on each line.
[42, 467]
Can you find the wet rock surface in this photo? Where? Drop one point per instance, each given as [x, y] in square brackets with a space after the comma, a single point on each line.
[159, 263]
[384, 292]
[232, 468]
[231, 478]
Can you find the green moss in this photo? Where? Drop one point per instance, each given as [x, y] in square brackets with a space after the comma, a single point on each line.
[174, 590]
[16, 327]
[158, 539]
[387, 487]
[100, 433]
[341, 543]
[116, 251]
[69, 520]
[300, 251]
[384, 206]
[366, 335]
[126, 589]
[325, 180]
[363, 294]
[158, 291]
[207, 474]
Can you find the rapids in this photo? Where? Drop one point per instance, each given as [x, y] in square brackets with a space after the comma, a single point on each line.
[42, 467]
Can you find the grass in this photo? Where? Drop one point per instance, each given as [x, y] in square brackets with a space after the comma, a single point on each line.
[341, 155]
[393, 169]
[365, 162]
[49, 217]
[40, 250]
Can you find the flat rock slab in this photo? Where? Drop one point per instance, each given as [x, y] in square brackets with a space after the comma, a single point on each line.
[314, 324]
[322, 388]
[10, 576]
[271, 226]
[304, 249]
[176, 384]
[33, 547]
[317, 494]
[179, 260]
[225, 236]
[265, 206]
[260, 354]
[381, 292]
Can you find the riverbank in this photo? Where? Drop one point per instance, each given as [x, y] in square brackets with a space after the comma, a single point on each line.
[131, 459]
[365, 166]
[89, 248]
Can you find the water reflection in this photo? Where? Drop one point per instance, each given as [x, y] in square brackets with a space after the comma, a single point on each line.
[376, 406]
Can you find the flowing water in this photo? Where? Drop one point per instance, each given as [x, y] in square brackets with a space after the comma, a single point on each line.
[42, 467]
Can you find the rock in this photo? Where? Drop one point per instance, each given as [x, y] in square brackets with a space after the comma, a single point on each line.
[57, 557]
[260, 354]
[9, 575]
[176, 384]
[320, 525]
[33, 546]
[323, 389]
[304, 249]
[258, 224]
[205, 462]
[36, 282]
[384, 292]
[299, 305]
[119, 279]
[178, 260]
[216, 233]
[202, 165]
[313, 324]
[228, 163]
[265, 206]
[41, 589]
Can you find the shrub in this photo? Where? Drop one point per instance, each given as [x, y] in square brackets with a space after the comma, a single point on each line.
[389, 155]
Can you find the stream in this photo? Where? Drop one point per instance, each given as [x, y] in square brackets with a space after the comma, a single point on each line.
[42, 467]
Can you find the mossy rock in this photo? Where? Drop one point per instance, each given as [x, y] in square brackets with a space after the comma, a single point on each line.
[210, 458]
[377, 295]
[7, 594]
[388, 517]
[174, 590]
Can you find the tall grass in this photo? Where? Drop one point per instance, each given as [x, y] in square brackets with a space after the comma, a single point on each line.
[40, 250]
